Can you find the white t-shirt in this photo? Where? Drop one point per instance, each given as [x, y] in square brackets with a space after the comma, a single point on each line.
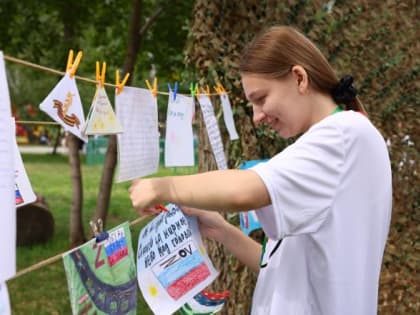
[331, 196]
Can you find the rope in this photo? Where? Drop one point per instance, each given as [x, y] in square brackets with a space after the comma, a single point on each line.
[62, 73]
[57, 257]
[36, 122]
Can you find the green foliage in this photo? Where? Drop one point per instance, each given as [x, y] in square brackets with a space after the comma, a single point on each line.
[44, 32]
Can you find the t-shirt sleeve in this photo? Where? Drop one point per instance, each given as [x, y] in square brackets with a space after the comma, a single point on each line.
[302, 182]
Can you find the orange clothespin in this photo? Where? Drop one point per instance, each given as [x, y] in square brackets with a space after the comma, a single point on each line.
[100, 76]
[120, 85]
[206, 91]
[71, 67]
[154, 89]
[219, 89]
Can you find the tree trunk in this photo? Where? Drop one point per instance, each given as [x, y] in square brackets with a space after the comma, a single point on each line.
[135, 35]
[233, 276]
[77, 235]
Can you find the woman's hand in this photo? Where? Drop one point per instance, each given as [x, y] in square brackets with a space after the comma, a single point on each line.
[143, 195]
[212, 224]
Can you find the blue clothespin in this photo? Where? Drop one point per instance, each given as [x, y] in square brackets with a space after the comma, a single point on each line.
[175, 89]
[98, 231]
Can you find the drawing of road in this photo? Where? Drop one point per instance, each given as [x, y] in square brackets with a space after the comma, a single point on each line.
[115, 300]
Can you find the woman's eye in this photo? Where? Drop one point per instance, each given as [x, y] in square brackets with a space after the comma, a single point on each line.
[260, 100]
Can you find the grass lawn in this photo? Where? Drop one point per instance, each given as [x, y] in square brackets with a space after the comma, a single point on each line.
[44, 291]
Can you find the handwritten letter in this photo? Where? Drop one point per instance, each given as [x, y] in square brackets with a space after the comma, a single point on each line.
[138, 146]
[179, 142]
[172, 264]
[213, 131]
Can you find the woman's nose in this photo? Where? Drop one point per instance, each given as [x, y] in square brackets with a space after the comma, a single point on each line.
[258, 116]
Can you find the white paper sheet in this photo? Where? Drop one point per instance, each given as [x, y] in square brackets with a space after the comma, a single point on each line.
[7, 193]
[23, 189]
[101, 119]
[213, 131]
[179, 141]
[4, 300]
[63, 105]
[228, 117]
[172, 263]
[138, 146]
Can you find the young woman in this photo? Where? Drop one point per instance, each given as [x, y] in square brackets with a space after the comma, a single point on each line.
[324, 202]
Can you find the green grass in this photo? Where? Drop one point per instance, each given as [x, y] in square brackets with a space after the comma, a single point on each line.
[44, 291]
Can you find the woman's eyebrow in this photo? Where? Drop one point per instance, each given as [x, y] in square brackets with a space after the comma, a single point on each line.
[253, 95]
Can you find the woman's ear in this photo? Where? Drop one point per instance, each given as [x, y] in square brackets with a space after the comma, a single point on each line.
[301, 78]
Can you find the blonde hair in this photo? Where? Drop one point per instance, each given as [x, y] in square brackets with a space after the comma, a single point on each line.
[276, 50]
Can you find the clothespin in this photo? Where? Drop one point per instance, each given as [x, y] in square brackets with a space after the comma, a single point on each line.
[207, 90]
[219, 89]
[161, 208]
[71, 67]
[120, 85]
[174, 90]
[98, 230]
[193, 89]
[100, 76]
[154, 89]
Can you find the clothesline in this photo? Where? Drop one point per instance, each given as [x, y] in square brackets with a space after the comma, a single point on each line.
[36, 122]
[57, 257]
[62, 73]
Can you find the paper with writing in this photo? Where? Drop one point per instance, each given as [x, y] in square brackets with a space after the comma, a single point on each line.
[179, 141]
[7, 192]
[138, 146]
[213, 131]
[101, 119]
[228, 116]
[172, 263]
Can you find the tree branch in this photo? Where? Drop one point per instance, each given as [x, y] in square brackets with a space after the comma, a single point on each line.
[149, 21]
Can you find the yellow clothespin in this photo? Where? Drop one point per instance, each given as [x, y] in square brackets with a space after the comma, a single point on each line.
[219, 89]
[100, 76]
[120, 85]
[197, 90]
[206, 91]
[154, 89]
[71, 67]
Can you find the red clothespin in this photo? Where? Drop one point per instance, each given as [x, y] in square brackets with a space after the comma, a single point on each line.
[120, 85]
[162, 208]
[71, 67]
[154, 89]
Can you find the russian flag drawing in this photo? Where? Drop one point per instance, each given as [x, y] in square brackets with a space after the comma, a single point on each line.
[182, 271]
[116, 247]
